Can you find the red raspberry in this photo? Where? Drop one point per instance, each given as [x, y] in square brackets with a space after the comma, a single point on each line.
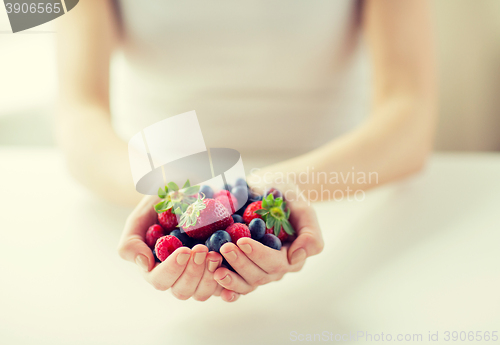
[237, 231]
[228, 200]
[249, 214]
[166, 246]
[154, 232]
[167, 220]
[283, 236]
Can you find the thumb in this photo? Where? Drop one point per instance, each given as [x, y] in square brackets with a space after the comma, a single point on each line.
[309, 239]
[135, 250]
[132, 246]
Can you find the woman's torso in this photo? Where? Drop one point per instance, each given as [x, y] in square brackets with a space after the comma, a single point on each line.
[281, 76]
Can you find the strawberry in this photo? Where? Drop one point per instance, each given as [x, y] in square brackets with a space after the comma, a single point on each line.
[167, 220]
[275, 213]
[165, 246]
[228, 200]
[222, 193]
[283, 236]
[154, 232]
[204, 217]
[250, 214]
[237, 231]
[175, 199]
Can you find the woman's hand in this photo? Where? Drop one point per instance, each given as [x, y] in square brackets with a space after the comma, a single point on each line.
[186, 272]
[257, 264]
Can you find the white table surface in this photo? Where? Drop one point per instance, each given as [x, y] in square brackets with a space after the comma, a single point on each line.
[416, 256]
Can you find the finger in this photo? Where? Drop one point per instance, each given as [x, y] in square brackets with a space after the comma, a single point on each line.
[229, 296]
[297, 266]
[132, 246]
[185, 286]
[270, 260]
[309, 239]
[208, 285]
[245, 267]
[141, 217]
[134, 249]
[164, 275]
[232, 281]
[218, 289]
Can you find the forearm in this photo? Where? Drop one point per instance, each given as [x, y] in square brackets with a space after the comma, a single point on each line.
[94, 154]
[394, 142]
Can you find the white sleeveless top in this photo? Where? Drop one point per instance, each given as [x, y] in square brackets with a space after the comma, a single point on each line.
[265, 77]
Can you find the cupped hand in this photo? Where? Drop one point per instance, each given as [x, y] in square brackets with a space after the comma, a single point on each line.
[256, 264]
[186, 272]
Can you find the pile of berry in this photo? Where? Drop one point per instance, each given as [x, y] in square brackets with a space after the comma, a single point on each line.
[199, 215]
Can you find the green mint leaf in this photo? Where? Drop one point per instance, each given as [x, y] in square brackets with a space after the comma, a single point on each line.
[270, 222]
[277, 227]
[172, 186]
[288, 227]
[190, 200]
[160, 207]
[191, 190]
[187, 184]
[264, 203]
[261, 212]
[161, 193]
[194, 218]
[278, 202]
[270, 198]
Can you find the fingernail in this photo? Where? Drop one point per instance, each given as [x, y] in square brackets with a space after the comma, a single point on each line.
[246, 248]
[142, 262]
[232, 298]
[298, 256]
[182, 258]
[231, 256]
[199, 258]
[226, 280]
[212, 265]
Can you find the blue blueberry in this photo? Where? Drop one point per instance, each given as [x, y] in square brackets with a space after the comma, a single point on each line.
[227, 187]
[241, 182]
[275, 192]
[241, 194]
[271, 241]
[195, 242]
[217, 240]
[257, 228]
[237, 218]
[207, 191]
[227, 265]
[252, 197]
[183, 237]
